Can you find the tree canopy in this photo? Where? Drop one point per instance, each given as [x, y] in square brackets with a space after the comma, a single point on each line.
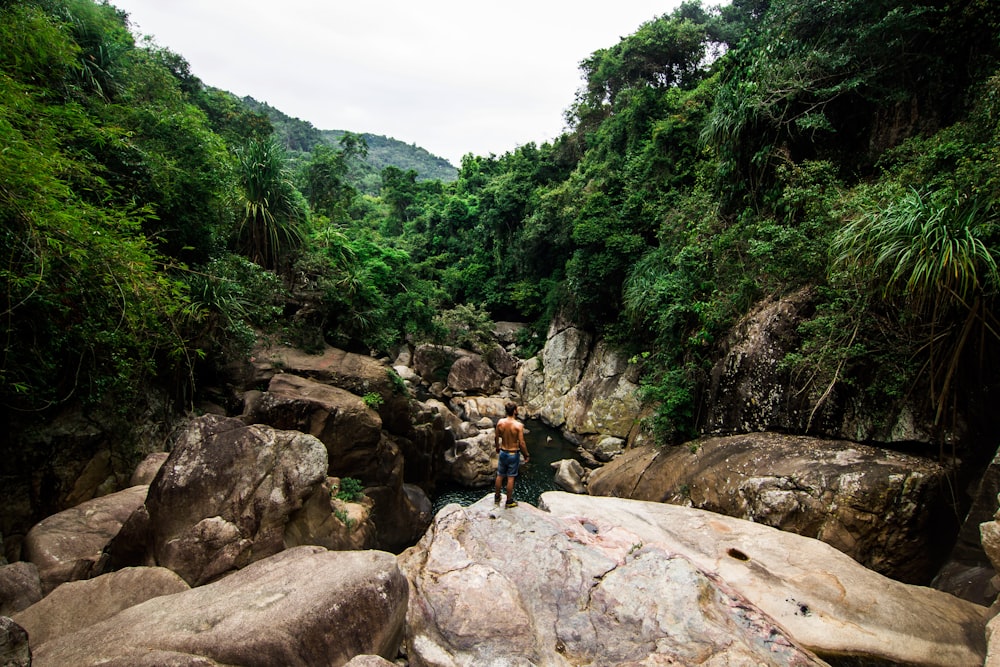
[716, 156]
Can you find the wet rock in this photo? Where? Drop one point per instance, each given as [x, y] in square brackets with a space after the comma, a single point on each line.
[569, 476]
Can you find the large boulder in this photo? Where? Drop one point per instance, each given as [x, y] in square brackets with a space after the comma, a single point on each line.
[347, 527]
[68, 545]
[605, 402]
[475, 408]
[751, 389]
[887, 510]
[472, 462]
[433, 362]
[227, 493]
[351, 431]
[357, 373]
[20, 587]
[822, 598]
[305, 606]
[562, 363]
[472, 375]
[524, 587]
[79, 604]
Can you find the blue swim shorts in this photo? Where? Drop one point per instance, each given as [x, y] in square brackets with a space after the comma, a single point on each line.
[508, 463]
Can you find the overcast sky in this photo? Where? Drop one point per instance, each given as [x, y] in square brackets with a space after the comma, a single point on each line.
[451, 76]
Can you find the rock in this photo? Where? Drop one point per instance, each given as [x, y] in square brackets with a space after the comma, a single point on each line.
[824, 599]
[304, 606]
[401, 514]
[584, 387]
[359, 374]
[887, 510]
[751, 389]
[471, 375]
[563, 361]
[449, 419]
[524, 587]
[146, 471]
[993, 643]
[607, 448]
[96, 479]
[569, 476]
[14, 649]
[969, 570]
[472, 462]
[20, 587]
[507, 332]
[79, 604]
[605, 402]
[351, 431]
[500, 360]
[477, 408]
[226, 494]
[66, 546]
[434, 362]
[332, 523]
[407, 374]
[369, 661]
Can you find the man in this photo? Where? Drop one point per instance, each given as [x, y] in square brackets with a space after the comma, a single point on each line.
[509, 440]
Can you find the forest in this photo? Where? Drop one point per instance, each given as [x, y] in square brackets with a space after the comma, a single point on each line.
[152, 227]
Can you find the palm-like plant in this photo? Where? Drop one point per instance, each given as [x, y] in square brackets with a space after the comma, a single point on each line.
[926, 251]
[272, 214]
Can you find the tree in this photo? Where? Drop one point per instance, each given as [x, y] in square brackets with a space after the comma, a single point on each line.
[272, 220]
[927, 252]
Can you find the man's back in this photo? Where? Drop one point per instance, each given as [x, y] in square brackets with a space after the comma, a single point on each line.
[511, 434]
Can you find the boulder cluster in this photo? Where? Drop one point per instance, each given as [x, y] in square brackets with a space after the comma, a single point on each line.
[297, 529]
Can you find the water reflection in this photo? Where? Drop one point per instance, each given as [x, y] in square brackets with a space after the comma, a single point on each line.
[546, 446]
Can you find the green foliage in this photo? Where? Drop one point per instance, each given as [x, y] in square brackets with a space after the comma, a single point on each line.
[350, 490]
[272, 219]
[372, 400]
[466, 325]
[233, 297]
[90, 311]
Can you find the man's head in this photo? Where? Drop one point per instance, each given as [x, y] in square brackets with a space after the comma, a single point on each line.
[510, 407]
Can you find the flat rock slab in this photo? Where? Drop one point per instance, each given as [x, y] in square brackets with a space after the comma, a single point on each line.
[523, 587]
[302, 607]
[825, 600]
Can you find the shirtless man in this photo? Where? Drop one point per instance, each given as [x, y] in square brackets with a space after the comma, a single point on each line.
[509, 440]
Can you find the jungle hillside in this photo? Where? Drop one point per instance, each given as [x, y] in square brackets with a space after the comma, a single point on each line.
[152, 227]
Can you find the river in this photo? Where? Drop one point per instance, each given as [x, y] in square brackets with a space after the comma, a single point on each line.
[546, 446]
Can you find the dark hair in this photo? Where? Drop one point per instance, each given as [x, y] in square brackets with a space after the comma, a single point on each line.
[510, 407]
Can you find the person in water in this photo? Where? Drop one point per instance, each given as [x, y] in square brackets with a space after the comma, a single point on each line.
[509, 440]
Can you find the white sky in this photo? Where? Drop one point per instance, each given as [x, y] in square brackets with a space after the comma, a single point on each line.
[451, 76]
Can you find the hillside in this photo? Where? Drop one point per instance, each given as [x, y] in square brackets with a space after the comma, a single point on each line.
[300, 136]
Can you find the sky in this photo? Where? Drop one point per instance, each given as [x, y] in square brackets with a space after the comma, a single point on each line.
[451, 76]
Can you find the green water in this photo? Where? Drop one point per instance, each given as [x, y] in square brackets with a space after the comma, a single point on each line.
[533, 479]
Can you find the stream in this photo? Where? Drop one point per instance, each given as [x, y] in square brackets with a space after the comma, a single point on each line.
[533, 479]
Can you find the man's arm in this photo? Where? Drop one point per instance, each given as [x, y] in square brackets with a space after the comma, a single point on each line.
[521, 443]
[496, 437]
